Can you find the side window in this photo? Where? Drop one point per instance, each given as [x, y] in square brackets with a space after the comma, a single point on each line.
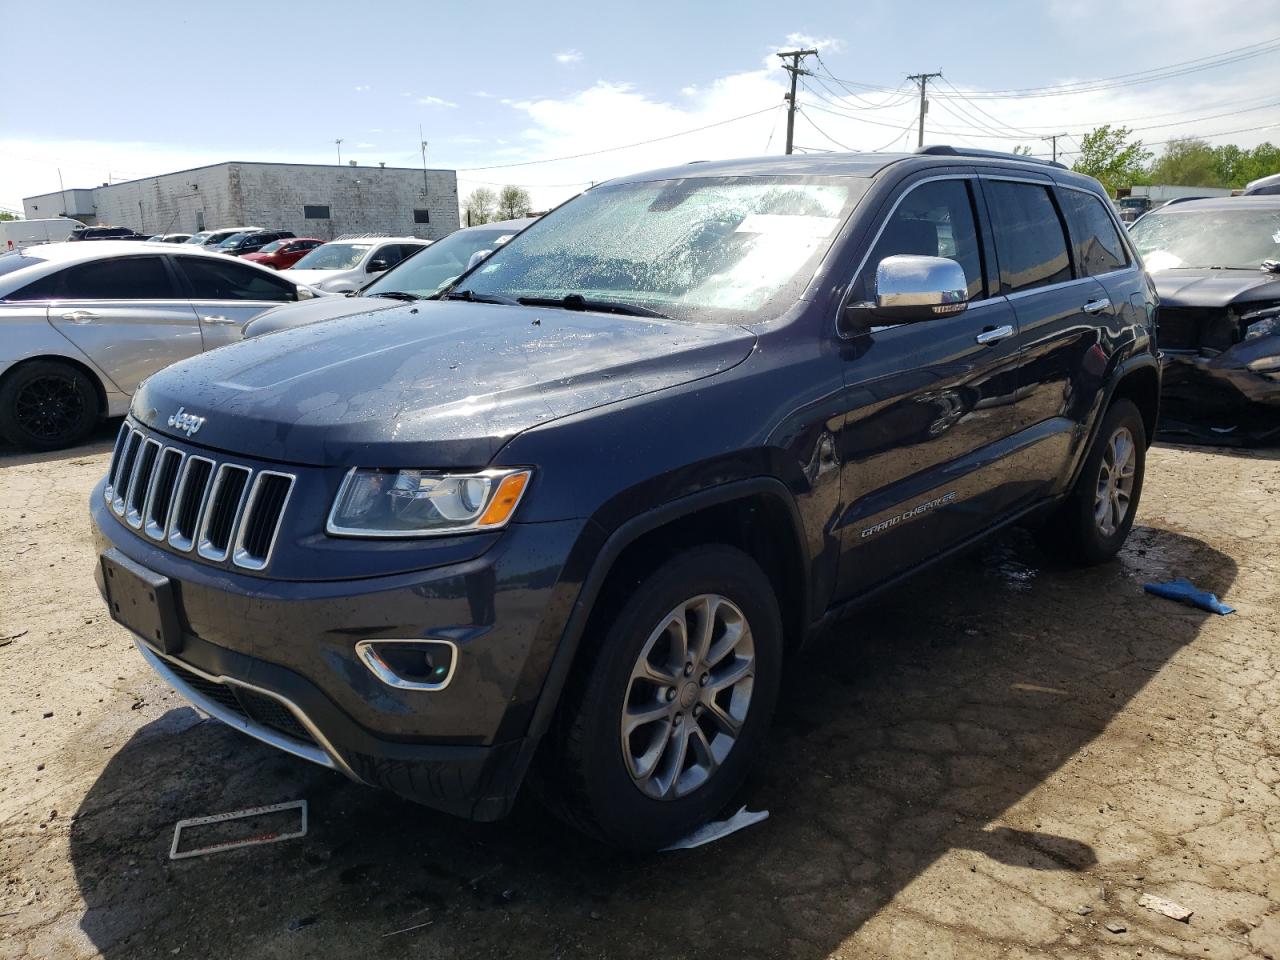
[1098, 246]
[1029, 238]
[122, 278]
[933, 220]
[407, 250]
[213, 279]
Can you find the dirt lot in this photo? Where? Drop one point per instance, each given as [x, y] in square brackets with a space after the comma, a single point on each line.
[996, 761]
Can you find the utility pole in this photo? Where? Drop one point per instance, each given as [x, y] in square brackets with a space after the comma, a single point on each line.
[423, 144]
[339, 143]
[922, 79]
[1053, 138]
[794, 69]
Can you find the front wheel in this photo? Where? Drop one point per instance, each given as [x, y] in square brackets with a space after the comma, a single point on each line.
[1091, 525]
[672, 702]
[47, 405]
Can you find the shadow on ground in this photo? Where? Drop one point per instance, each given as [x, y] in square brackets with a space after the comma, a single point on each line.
[100, 441]
[904, 734]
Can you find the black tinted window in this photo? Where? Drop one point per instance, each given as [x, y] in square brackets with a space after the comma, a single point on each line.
[1028, 232]
[214, 279]
[1098, 245]
[123, 278]
[933, 220]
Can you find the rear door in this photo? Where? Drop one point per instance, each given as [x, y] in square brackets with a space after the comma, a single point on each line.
[227, 294]
[126, 313]
[1058, 308]
[930, 406]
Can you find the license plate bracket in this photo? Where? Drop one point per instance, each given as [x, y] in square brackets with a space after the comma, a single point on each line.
[143, 601]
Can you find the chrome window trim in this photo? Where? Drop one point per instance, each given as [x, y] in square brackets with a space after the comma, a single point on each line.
[379, 668]
[884, 223]
[238, 555]
[323, 754]
[175, 539]
[157, 527]
[1060, 285]
[131, 516]
[203, 547]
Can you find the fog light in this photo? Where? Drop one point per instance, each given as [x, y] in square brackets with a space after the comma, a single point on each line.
[410, 664]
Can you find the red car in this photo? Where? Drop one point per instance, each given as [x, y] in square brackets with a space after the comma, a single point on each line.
[282, 254]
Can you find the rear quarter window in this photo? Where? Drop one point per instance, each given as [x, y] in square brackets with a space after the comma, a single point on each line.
[1098, 246]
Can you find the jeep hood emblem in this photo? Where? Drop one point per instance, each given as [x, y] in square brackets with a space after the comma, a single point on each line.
[188, 423]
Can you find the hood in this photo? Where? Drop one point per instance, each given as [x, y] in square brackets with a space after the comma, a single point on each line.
[257, 256]
[313, 311]
[432, 384]
[312, 277]
[1215, 288]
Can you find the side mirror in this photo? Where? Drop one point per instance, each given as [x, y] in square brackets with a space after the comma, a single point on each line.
[911, 288]
[377, 266]
[477, 257]
[305, 293]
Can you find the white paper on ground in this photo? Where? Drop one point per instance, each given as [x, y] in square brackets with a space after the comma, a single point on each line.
[718, 829]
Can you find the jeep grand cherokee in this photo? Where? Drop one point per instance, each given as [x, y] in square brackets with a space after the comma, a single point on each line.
[568, 523]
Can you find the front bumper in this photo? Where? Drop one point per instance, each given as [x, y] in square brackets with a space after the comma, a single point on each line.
[1227, 396]
[276, 659]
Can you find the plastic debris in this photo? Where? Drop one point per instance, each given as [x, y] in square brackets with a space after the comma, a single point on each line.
[1184, 591]
[416, 926]
[269, 837]
[718, 829]
[1174, 911]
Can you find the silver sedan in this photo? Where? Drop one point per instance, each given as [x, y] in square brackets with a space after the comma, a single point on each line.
[82, 324]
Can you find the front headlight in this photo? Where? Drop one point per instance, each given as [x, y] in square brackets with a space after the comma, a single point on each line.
[423, 503]
[1262, 323]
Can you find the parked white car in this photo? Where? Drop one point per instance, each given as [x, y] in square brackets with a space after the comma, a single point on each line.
[348, 263]
[82, 324]
[16, 234]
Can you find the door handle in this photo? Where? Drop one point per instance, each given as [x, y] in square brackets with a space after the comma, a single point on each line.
[80, 316]
[217, 320]
[994, 335]
[1097, 306]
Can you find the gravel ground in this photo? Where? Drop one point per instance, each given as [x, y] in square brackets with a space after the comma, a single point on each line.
[997, 760]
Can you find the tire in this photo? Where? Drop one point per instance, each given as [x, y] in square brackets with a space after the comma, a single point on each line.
[48, 405]
[1081, 530]
[586, 772]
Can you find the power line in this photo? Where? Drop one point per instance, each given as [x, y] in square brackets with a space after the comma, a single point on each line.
[625, 146]
[824, 133]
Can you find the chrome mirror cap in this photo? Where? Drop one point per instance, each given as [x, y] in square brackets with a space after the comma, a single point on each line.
[912, 287]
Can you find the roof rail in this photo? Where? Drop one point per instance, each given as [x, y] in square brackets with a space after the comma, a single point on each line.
[945, 150]
[363, 236]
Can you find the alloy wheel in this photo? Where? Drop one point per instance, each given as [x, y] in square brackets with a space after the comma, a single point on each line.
[49, 407]
[1115, 482]
[688, 697]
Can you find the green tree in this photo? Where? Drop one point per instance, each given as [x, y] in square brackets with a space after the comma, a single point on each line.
[513, 202]
[478, 207]
[1107, 154]
[1022, 150]
[1188, 162]
[1262, 161]
[6, 215]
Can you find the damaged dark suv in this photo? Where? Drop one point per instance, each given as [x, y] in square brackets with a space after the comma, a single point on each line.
[566, 524]
[1216, 267]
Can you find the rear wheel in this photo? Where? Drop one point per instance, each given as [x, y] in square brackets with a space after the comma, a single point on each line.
[1092, 524]
[661, 723]
[47, 405]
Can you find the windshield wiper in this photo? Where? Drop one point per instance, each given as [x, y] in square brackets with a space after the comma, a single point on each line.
[395, 295]
[576, 301]
[470, 296]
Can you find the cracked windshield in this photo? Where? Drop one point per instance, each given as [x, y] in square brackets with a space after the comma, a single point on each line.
[695, 249]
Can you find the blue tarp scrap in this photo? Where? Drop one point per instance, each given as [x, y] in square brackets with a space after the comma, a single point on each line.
[1184, 591]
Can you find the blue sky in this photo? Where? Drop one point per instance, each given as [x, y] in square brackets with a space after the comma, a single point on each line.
[128, 90]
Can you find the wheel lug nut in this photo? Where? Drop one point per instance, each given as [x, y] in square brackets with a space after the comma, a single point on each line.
[671, 694]
[679, 719]
[704, 679]
[688, 669]
[697, 710]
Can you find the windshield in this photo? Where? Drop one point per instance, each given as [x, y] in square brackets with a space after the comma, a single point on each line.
[198, 237]
[233, 240]
[272, 247]
[10, 262]
[1215, 237]
[721, 249]
[334, 256]
[427, 271]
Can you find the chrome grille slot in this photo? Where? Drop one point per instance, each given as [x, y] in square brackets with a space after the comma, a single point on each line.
[140, 484]
[127, 460]
[113, 473]
[160, 498]
[222, 512]
[188, 502]
[262, 515]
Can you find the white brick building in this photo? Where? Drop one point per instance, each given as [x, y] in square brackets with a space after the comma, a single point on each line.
[312, 200]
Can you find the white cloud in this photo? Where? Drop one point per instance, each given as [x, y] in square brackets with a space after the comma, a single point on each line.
[363, 88]
[435, 102]
[483, 94]
[569, 56]
[808, 42]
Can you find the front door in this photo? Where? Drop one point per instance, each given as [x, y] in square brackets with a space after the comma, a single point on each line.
[125, 314]
[226, 295]
[930, 406]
